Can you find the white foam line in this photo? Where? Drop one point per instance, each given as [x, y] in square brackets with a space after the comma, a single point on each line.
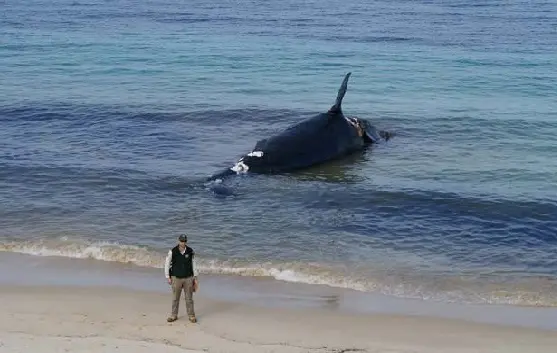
[287, 272]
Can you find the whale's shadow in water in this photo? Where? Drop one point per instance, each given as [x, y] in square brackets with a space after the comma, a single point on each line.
[335, 171]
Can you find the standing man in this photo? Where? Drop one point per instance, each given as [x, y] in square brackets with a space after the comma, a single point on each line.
[181, 273]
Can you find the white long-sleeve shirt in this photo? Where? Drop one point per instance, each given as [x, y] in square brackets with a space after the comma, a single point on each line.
[169, 260]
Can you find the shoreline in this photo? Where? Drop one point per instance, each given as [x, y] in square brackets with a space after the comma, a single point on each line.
[22, 270]
[454, 286]
[89, 319]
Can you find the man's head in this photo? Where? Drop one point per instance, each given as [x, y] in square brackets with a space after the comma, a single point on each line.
[182, 240]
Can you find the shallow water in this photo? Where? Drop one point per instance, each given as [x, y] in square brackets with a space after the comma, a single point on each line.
[113, 113]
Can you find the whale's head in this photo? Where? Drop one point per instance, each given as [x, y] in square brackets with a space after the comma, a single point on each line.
[368, 131]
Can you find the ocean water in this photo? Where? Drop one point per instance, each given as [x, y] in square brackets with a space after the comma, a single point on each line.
[112, 113]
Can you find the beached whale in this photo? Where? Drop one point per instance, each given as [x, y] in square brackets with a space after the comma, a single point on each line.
[318, 139]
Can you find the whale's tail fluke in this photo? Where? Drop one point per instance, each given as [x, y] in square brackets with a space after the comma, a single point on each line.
[336, 108]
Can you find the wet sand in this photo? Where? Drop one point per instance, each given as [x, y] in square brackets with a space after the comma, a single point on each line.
[95, 319]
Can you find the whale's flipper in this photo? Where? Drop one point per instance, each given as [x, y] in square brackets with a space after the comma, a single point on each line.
[341, 92]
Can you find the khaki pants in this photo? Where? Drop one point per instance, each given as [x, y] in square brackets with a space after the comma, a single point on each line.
[185, 284]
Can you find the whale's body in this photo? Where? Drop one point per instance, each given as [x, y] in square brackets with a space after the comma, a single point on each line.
[318, 139]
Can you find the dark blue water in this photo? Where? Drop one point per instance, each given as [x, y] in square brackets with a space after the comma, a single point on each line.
[113, 113]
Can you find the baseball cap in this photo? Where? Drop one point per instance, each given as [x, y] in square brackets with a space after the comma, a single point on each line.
[183, 237]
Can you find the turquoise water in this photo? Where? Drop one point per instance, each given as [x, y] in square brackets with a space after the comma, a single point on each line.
[113, 111]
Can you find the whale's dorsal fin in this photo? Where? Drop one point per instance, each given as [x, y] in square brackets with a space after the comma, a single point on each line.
[336, 108]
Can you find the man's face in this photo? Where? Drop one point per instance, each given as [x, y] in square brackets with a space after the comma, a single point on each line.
[182, 244]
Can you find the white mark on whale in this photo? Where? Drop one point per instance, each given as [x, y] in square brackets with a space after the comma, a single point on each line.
[240, 167]
[256, 154]
[351, 121]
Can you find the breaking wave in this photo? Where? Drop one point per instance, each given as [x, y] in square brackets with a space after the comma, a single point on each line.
[535, 291]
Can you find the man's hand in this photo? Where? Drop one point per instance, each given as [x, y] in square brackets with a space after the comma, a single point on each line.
[169, 279]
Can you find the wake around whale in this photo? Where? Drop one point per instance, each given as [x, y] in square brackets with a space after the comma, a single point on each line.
[318, 139]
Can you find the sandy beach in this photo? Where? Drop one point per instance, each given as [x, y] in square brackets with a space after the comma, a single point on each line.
[106, 319]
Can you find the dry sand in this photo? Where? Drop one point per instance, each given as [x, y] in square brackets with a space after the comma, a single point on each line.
[79, 319]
